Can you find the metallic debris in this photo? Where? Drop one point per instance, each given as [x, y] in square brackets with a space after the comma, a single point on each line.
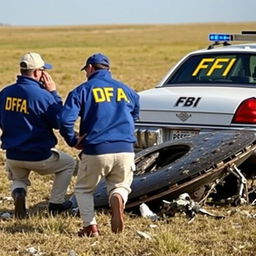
[189, 165]
[34, 252]
[242, 212]
[204, 166]
[147, 213]
[144, 235]
[5, 216]
[243, 188]
[72, 253]
[147, 163]
[185, 204]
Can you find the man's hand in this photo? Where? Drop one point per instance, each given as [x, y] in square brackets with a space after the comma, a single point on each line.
[79, 144]
[48, 82]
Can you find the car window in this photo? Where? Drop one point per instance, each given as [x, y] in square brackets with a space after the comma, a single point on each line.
[216, 68]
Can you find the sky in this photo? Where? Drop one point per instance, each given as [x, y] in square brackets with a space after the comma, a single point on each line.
[90, 12]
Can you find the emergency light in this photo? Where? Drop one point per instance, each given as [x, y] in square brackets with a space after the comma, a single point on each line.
[220, 37]
[244, 36]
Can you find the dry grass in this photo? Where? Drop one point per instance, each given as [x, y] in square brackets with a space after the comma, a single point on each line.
[140, 56]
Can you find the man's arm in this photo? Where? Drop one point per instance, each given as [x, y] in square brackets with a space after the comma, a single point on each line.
[136, 110]
[54, 108]
[69, 115]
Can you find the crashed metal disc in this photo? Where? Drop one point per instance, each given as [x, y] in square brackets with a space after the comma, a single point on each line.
[166, 170]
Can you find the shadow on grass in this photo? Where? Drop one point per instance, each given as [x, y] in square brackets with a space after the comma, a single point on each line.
[20, 228]
[41, 208]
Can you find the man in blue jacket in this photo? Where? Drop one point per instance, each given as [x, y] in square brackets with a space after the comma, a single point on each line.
[29, 110]
[107, 109]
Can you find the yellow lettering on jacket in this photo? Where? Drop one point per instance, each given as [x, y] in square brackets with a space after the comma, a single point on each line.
[107, 94]
[98, 95]
[16, 105]
[121, 95]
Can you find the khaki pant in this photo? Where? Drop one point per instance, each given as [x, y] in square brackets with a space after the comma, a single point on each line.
[59, 163]
[117, 169]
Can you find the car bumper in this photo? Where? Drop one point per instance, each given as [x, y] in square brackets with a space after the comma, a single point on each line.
[153, 134]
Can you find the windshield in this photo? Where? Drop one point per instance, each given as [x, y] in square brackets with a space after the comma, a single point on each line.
[216, 68]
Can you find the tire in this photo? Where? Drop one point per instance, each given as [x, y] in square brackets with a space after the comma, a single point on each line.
[166, 170]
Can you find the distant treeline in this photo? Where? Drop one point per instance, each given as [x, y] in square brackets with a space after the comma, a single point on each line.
[3, 24]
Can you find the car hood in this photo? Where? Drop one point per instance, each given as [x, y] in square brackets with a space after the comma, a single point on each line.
[192, 105]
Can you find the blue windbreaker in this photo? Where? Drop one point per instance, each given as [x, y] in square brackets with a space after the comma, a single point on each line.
[28, 113]
[107, 109]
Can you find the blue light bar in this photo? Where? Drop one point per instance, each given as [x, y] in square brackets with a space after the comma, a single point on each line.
[220, 37]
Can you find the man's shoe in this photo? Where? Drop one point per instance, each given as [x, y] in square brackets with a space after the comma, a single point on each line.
[55, 209]
[117, 211]
[90, 231]
[19, 197]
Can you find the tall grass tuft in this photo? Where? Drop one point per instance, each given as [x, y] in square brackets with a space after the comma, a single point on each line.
[166, 242]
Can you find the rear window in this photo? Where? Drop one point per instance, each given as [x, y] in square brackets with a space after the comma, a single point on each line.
[216, 68]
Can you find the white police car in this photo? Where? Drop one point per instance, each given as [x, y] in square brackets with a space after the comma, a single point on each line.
[209, 89]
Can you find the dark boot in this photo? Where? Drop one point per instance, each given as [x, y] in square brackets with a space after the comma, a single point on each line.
[19, 197]
[55, 209]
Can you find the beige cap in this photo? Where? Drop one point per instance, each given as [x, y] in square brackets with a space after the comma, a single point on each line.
[33, 60]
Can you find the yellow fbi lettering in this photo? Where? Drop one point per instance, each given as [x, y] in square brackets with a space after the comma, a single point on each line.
[212, 64]
[106, 94]
[16, 105]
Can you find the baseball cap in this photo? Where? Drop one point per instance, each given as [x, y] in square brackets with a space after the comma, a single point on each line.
[97, 58]
[32, 60]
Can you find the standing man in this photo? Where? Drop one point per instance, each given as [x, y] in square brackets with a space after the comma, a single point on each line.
[29, 110]
[107, 110]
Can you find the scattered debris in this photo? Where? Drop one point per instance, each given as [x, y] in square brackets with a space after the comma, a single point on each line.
[34, 252]
[147, 213]
[153, 226]
[72, 253]
[185, 204]
[31, 250]
[242, 212]
[5, 216]
[144, 235]
[94, 243]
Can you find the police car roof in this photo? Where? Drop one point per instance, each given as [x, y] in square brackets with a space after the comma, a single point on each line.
[230, 48]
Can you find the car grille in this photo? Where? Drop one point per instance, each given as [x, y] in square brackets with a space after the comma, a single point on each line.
[150, 136]
[147, 137]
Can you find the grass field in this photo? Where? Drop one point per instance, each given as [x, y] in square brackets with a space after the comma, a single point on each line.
[140, 56]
